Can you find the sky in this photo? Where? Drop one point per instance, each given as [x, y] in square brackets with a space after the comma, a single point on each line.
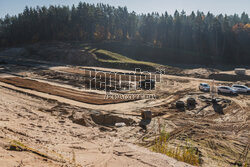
[228, 7]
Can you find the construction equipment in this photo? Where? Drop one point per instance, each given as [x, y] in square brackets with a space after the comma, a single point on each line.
[191, 103]
[180, 105]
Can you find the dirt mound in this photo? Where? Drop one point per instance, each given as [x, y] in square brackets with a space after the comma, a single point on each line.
[229, 77]
[88, 117]
[110, 120]
[60, 52]
[55, 52]
[99, 119]
[85, 97]
[82, 119]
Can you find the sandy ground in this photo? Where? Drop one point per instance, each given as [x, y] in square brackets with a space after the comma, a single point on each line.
[42, 129]
[63, 142]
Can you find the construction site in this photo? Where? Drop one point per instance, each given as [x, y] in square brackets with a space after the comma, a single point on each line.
[49, 116]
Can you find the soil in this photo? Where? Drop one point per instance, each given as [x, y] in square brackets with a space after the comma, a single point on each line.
[48, 118]
[47, 135]
[85, 97]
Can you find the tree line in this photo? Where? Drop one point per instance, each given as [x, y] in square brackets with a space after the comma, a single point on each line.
[204, 38]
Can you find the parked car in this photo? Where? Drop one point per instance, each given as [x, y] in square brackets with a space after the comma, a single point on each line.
[241, 88]
[226, 89]
[204, 87]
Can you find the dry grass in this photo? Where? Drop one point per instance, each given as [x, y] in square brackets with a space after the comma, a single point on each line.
[18, 146]
[186, 154]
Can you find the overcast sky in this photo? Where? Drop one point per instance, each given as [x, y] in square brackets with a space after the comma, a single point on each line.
[13, 7]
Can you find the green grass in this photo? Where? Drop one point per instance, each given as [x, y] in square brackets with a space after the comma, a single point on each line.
[114, 60]
[122, 59]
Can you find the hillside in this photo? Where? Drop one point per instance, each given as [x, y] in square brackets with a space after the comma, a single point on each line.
[76, 53]
[181, 38]
[109, 55]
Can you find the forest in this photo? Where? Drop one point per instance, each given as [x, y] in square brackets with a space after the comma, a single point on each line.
[195, 38]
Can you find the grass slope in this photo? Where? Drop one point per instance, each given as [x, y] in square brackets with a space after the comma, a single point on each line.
[114, 60]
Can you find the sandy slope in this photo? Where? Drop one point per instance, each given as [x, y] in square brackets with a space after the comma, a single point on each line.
[23, 119]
